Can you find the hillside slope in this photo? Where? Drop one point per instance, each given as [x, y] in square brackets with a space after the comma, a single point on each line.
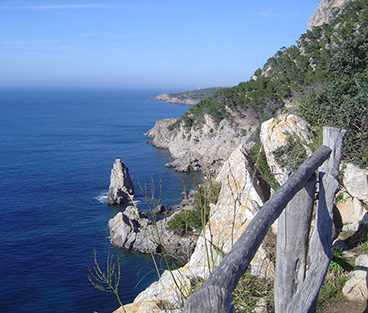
[286, 78]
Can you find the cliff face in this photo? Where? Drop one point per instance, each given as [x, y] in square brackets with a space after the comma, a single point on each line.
[174, 99]
[326, 12]
[207, 146]
[187, 97]
[240, 198]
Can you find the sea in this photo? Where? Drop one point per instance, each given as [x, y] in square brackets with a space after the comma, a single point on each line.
[57, 148]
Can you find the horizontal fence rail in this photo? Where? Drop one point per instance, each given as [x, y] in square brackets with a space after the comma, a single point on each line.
[214, 296]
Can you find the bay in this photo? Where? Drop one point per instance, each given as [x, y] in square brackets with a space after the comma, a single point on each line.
[57, 147]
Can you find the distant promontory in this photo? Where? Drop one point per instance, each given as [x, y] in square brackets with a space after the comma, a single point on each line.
[191, 97]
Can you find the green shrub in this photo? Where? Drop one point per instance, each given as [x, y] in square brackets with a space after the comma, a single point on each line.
[249, 291]
[343, 102]
[186, 220]
[259, 158]
[291, 155]
[189, 220]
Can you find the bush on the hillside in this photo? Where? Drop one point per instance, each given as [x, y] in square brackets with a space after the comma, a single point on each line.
[292, 154]
[343, 103]
[189, 220]
[260, 161]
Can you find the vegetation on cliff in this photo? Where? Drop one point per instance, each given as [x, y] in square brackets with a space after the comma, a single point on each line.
[187, 97]
[326, 72]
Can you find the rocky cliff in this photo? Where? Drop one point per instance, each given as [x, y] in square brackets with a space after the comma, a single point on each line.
[206, 146]
[240, 198]
[174, 99]
[187, 97]
[211, 142]
[325, 12]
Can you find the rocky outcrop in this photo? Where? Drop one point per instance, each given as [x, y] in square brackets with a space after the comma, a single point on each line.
[356, 288]
[121, 189]
[351, 199]
[356, 182]
[206, 146]
[351, 210]
[326, 12]
[161, 134]
[190, 97]
[134, 229]
[240, 198]
[167, 97]
[274, 134]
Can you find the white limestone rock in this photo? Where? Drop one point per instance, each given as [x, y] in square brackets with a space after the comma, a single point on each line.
[325, 12]
[240, 198]
[274, 134]
[261, 306]
[351, 210]
[356, 288]
[356, 181]
[206, 146]
[121, 188]
[133, 229]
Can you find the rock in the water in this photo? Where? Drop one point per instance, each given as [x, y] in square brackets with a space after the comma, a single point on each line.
[160, 209]
[133, 229]
[121, 187]
[356, 288]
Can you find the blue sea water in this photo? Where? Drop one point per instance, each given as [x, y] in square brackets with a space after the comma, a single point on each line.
[57, 147]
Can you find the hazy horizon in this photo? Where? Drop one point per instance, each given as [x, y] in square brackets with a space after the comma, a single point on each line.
[165, 44]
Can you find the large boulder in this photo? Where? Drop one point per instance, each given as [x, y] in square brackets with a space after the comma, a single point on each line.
[241, 195]
[351, 210]
[121, 189]
[134, 229]
[274, 134]
[356, 288]
[356, 181]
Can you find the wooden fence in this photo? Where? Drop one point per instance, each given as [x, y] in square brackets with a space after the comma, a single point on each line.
[296, 288]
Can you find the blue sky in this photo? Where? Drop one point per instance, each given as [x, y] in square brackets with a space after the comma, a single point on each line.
[143, 43]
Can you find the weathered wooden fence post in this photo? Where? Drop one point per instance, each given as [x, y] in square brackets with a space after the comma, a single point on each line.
[225, 276]
[305, 299]
[300, 294]
[292, 245]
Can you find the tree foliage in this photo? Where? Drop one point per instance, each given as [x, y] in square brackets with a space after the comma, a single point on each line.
[343, 102]
[327, 69]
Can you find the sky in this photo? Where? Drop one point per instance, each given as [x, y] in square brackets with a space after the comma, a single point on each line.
[172, 44]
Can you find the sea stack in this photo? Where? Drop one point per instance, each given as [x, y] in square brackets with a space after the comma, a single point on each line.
[121, 186]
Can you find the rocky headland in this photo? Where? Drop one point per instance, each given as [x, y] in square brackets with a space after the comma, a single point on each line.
[191, 97]
[208, 146]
